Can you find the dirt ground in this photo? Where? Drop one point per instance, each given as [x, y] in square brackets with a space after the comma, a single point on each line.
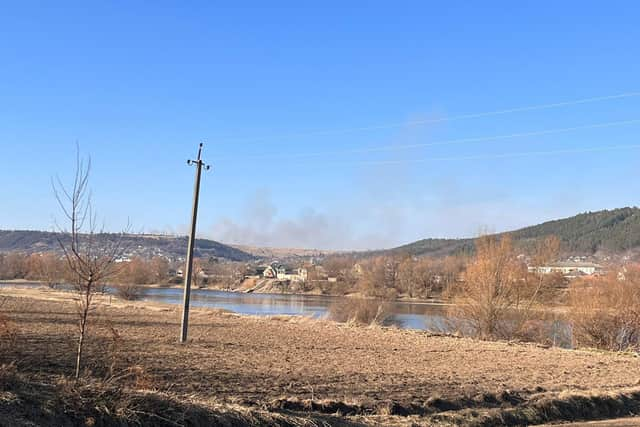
[621, 422]
[255, 361]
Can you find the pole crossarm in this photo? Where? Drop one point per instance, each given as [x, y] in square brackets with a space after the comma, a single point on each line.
[199, 161]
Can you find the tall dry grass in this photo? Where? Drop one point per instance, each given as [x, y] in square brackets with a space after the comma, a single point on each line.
[8, 330]
[360, 311]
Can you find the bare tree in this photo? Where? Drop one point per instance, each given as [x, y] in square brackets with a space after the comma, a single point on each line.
[341, 267]
[449, 270]
[198, 276]
[380, 277]
[47, 267]
[136, 272]
[605, 310]
[15, 266]
[90, 255]
[225, 275]
[159, 269]
[491, 294]
[546, 250]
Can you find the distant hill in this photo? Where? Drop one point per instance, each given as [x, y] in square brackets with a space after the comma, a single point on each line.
[143, 245]
[284, 254]
[608, 231]
[604, 232]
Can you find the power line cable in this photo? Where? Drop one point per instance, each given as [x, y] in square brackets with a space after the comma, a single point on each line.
[437, 120]
[493, 156]
[388, 148]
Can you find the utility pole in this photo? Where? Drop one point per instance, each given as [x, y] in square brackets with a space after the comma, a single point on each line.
[192, 238]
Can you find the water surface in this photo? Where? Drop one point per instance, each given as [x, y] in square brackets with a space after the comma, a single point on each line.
[408, 315]
[404, 314]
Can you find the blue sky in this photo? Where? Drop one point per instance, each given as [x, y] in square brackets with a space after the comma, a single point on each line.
[289, 96]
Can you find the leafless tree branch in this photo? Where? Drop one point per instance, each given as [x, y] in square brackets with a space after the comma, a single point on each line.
[90, 255]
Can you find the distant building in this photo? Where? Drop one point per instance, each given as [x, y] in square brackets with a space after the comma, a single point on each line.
[569, 268]
[270, 272]
[281, 272]
[297, 275]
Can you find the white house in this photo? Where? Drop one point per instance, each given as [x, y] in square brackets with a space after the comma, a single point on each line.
[568, 268]
[280, 272]
[299, 275]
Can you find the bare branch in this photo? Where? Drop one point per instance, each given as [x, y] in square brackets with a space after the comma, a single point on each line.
[90, 257]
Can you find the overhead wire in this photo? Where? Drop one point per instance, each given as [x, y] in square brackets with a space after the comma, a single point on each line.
[391, 148]
[437, 120]
[494, 156]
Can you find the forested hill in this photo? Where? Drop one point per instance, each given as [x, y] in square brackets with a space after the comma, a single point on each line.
[610, 231]
[143, 245]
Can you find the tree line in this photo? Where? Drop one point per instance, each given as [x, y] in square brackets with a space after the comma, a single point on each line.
[51, 268]
[614, 231]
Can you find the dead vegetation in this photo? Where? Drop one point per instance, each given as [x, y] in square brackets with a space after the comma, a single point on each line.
[89, 263]
[130, 292]
[605, 311]
[499, 299]
[8, 331]
[360, 311]
[249, 370]
[545, 409]
[95, 403]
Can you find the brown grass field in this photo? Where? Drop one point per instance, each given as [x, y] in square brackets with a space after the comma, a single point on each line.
[290, 371]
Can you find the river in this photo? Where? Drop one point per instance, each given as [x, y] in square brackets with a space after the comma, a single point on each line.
[403, 314]
[409, 315]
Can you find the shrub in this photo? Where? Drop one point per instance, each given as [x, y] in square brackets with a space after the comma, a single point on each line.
[490, 295]
[498, 300]
[360, 311]
[130, 292]
[605, 312]
[379, 277]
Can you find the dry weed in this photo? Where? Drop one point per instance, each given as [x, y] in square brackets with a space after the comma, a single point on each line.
[360, 311]
[605, 312]
[130, 292]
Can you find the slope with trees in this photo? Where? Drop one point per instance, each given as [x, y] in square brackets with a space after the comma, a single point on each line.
[140, 244]
[608, 231]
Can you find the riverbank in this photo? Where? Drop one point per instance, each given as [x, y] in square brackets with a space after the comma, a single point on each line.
[435, 300]
[409, 315]
[306, 367]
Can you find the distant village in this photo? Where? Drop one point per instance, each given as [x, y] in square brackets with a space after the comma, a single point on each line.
[570, 269]
[386, 276]
[279, 276]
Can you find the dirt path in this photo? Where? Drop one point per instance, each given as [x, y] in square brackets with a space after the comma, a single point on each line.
[253, 361]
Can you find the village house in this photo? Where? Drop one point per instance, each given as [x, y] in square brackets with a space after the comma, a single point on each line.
[568, 268]
[281, 272]
[270, 272]
[297, 275]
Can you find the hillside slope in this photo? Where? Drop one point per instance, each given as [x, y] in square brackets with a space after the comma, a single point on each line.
[609, 231]
[138, 244]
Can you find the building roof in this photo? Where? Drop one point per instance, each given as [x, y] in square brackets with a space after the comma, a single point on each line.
[574, 264]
